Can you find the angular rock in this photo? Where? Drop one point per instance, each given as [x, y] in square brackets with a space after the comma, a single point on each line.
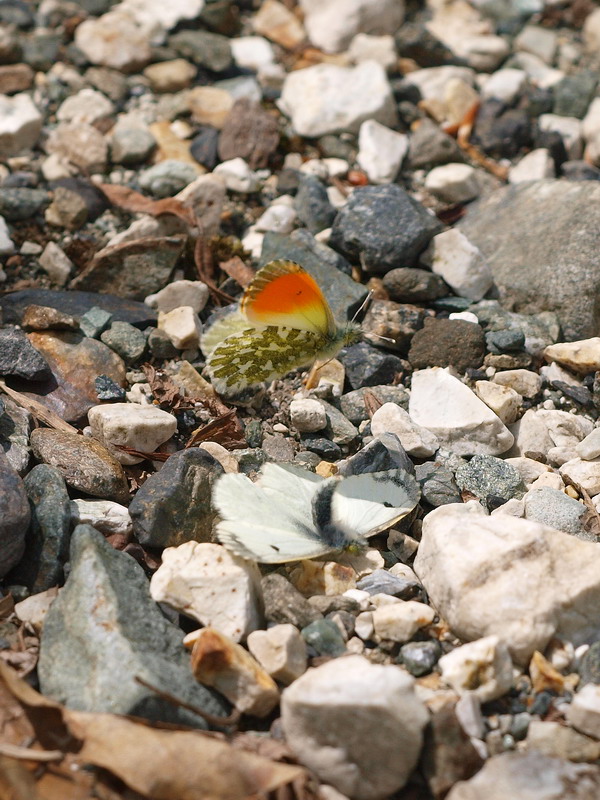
[447, 343]
[582, 357]
[380, 701]
[19, 358]
[249, 133]
[114, 40]
[107, 517]
[398, 622]
[452, 256]
[104, 630]
[14, 516]
[281, 651]
[528, 594]
[450, 410]
[142, 428]
[380, 151]
[174, 505]
[284, 604]
[84, 463]
[483, 667]
[210, 584]
[15, 423]
[20, 124]
[417, 441]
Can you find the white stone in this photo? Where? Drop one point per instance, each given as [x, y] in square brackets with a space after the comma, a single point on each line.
[453, 183]
[20, 124]
[107, 517]
[328, 99]
[583, 712]
[523, 381]
[560, 741]
[363, 625]
[541, 42]
[238, 176]
[483, 667]
[570, 129]
[252, 52]
[180, 293]
[583, 473]
[139, 427]
[114, 40]
[253, 241]
[460, 264]
[538, 73]
[183, 327]
[416, 440]
[544, 430]
[554, 372]
[512, 507]
[431, 82]
[348, 715]
[278, 218]
[336, 167]
[382, 49]
[400, 621]
[34, 608]
[459, 99]
[589, 448]
[535, 166]
[56, 263]
[7, 246]
[505, 84]
[281, 651]
[88, 105]
[222, 455]
[582, 356]
[528, 469]
[468, 713]
[550, 479]
[503, 400]
[466, 316]
[332, 24]
[360, 596]
[212, 585]
[140, 393]
[509, 577]
[380, 151]
[591, 131]
[462, 29]
[308, 415]
[460, 420]
[591, 31]
[158, 16]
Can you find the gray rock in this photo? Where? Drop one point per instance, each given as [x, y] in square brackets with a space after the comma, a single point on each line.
[572, 94]
[19, 357]
[14, 516]
[383, 453]
[15, 423]
[382, 582]
[367, 366]
[284, 603]
[352, 404]
[397, 322]
[448, 753]
[539, 330]
[104, 630]
[430, 146]
[486, 476]
[589, 668]
[22, 203]
[438, 486]
[206, 49]
[338, 428]
[312, 204]
[551, 260]
[420, 658]
[382, 227]
[167, 177]
[131, 144]
[343, 294]
[94, 322]
[47, 542]
[557, 510]
[324, 637]
[174, 505]
[410, 285]
[127, 341]
[529, 775]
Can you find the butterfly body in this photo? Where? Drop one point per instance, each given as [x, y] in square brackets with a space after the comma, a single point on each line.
[284, 322]
[291, 514]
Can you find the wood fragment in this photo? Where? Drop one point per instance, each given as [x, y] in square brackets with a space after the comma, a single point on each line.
[38, 410]
[27, 754]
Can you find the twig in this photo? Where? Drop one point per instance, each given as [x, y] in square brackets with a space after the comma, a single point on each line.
[26, 754]
[212, 719]
[38, 410]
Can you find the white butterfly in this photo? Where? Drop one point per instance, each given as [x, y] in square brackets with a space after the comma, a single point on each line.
[290, 514]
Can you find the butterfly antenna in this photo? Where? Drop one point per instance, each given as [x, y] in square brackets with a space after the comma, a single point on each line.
[363, 305]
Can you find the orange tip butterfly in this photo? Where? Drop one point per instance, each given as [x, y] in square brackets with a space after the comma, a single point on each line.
[283, 322]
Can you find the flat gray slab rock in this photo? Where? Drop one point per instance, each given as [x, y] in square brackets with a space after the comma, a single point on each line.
[104, 630]
[542, 242]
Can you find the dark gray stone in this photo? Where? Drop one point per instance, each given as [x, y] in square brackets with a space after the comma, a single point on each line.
[352, 404]
[312, 204]
[127, 341]
[203, 147]
[47, 542]
[490, 477]
[160, 345]
[411, 285]
[580, 171]
[589, 668]
[324, 448]
[174, 505]
[383, 453]
[382, 582]
[107, 389]
[15, 423]
[76, 304]
[551, 260]
[342, 293]
[14, 516]
[338, 428]
[206, 49]
[382, 227]
[501, 132]
[325, 638]
[19, 204]
[278, 448]
[430, 147]
[438, 486]
[420, 658]
[447, 343]
[573, 94]
[104, 630]
[505, 341]
[19, 357]
[94, 322]
[284, 603]
[95, 200]
[367, 366]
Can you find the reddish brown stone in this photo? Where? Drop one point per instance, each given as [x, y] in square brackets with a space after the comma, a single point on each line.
[15, 78]
[249, 133]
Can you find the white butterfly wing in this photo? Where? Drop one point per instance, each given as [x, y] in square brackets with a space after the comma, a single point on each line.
[293, 486]
[373, 501]
[259, 526]
[229, 324]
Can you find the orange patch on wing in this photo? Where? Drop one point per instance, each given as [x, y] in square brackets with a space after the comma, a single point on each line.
[285, 294]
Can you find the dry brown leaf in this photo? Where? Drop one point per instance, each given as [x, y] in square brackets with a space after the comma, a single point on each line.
[372, 403]
[226, 430]
[130, 200]
[159, 764]
[164, 390]
[236, 269]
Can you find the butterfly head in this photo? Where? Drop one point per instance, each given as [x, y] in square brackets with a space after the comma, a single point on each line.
[352, 334]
